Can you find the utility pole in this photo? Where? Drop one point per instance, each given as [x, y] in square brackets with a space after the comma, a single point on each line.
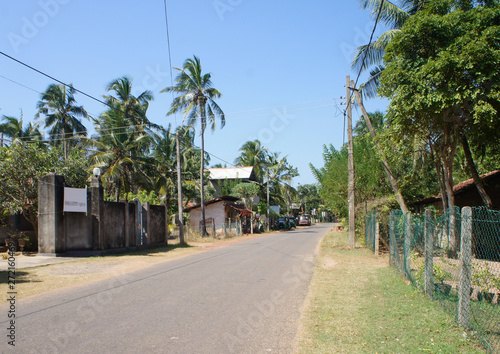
[1, 140]
[350, 149]
[179, 189]
[392, 180]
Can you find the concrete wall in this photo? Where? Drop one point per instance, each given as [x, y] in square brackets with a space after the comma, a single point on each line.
[114, 225]
[157, 224]
[106, 226]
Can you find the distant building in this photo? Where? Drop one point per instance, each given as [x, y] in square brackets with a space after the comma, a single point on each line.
[220, 213]
[229, 176]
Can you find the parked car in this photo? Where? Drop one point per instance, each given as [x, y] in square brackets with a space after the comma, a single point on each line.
[304, 220]
[283, 223]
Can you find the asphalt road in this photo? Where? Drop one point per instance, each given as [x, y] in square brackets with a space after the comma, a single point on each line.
[242, 298]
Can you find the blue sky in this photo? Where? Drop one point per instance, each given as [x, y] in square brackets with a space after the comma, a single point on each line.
[280, 65]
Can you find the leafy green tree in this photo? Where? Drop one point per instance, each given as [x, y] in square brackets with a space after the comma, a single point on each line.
[332, 178]
[442, 78]
[14, 129]
[308, 195]
[196, 101]
[58, 105]
[247, 193]
[23, 164]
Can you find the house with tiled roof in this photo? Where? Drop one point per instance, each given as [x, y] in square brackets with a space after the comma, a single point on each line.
[466, 194]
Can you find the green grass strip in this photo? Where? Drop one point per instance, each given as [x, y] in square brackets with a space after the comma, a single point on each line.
[358, 304]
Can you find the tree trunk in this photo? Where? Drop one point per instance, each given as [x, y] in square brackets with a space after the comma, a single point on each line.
[179, 190]
[390, 176]
[448, 155]
[438, 165]
[117, 194]
[471, 166]
[202, 182]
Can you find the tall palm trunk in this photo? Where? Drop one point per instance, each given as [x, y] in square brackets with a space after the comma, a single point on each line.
[202, 182]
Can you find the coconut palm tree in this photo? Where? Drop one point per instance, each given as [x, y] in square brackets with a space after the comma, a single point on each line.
[14, 129]
[58, 105]
[393, 15]
[196, 101]
[281, 174]
[133, 108]
[253, 153]
[119, 151]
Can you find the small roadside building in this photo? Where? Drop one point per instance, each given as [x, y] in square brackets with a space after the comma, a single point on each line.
[222, 216]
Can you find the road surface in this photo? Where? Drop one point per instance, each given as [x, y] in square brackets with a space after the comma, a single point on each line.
[242, 298]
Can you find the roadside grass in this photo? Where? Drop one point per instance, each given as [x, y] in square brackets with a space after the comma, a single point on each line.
[358, 304]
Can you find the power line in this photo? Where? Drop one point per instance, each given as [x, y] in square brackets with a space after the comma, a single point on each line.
[17, 83]
[169, 54]
[54, 79]
[365, 55]
[369, 42]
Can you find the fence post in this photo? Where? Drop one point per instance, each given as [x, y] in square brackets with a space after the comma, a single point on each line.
[127, 226]
[377, 234]
[465, 268]
[429, 250]
[167, 230]
[392, 240]
[407, 242]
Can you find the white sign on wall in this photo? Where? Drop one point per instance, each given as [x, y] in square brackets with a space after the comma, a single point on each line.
[75, 200]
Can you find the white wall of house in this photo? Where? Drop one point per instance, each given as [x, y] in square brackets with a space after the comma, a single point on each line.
[215, 210]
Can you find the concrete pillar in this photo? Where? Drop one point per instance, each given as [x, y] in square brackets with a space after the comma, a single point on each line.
[407, 242]
[429, 250]
[97, 213]
[126, 223]
[50, 215]
[167, 231]
[146, 224]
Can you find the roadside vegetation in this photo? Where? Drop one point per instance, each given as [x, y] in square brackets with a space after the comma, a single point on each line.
[357, 304]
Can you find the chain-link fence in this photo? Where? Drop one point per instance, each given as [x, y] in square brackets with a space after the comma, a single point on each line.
[455, 259]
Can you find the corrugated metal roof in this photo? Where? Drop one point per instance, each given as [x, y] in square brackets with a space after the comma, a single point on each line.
[231, 172]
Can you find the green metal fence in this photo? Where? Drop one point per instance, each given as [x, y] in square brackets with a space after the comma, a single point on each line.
[370, 229]
[455, 259]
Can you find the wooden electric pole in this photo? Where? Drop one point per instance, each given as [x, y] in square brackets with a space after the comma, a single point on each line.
[179, 189]
[350, 167]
